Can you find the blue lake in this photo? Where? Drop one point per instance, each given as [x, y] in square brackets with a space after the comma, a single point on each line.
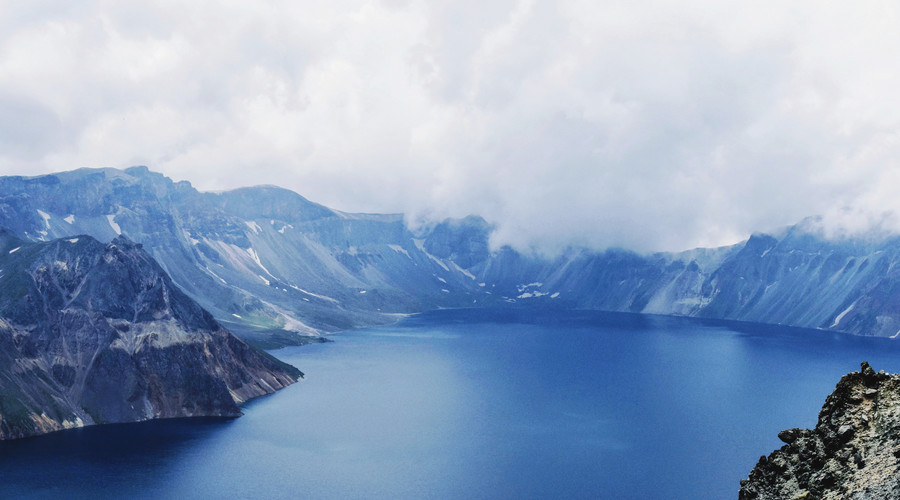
[479, 404]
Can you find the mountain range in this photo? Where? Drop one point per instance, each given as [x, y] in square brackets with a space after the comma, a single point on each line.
[120, 289]
[278, 269]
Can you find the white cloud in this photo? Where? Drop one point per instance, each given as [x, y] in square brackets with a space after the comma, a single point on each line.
[648, 125]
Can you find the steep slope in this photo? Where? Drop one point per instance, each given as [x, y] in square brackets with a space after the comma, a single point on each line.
[96, 333]
[264, 260]
[278, 269]
[796, 278]
[854, 451]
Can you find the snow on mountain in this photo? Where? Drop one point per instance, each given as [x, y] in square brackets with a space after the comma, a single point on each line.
[271, 264]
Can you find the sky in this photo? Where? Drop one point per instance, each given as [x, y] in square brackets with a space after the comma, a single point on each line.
[647, 125]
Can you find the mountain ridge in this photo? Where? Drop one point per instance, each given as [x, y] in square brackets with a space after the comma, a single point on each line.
[280, 269]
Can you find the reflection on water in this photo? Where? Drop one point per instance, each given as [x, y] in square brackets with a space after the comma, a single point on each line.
[479, 404]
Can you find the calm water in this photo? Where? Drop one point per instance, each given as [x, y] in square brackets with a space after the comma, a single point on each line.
[479, 404]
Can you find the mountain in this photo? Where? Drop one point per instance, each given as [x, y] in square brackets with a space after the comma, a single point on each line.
[95, 333]
[269, 264]
[278, 269]
[853, 452]
[795, 277]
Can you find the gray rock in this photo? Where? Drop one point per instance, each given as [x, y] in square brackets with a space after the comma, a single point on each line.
[790, 435]
[105, 336]
[836, 459]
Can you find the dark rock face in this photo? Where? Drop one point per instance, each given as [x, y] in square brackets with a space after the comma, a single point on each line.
[97, 333]
[854, 451]
[464, 241]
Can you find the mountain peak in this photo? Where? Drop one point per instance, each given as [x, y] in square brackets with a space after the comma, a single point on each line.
[110, 338]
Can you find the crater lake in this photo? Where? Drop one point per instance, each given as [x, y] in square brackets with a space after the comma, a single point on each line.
[479, 404]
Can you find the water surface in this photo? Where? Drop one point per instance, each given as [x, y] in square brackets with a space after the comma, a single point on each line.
[479, 404]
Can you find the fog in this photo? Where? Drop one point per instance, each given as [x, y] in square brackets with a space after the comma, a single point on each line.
[644, 125]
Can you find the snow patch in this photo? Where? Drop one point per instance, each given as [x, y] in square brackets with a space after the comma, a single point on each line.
[555, 295]
[255, 257]
[14, 250]
[316, 295]
[420, 244]
[112, 223]
[442, 280]
[188, 236]
[460, 269]
[70, 219]
[46, 217]
[73, 240]
[445, 290]
[264, 280]
[253, 226]
[840, 316]
[237, 316]
[529, 295]
[399, 249]
[362, 291]
[239, 259]
[216, 275]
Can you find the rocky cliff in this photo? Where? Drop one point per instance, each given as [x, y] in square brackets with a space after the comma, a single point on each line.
[96, 333]
[277, 269]
[853, 452]
[270, 265]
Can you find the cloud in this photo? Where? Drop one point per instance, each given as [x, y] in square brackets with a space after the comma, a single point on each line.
[650, 125]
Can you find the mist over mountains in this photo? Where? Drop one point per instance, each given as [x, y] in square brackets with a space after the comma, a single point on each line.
[279, 269]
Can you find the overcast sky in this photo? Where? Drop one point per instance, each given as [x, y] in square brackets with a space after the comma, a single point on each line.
[645, 125]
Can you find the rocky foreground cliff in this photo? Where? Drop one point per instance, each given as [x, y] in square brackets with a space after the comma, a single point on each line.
[853, 452]
[96, 333]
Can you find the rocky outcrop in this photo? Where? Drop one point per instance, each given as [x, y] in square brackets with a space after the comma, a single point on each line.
[97, 333]
[853, 452]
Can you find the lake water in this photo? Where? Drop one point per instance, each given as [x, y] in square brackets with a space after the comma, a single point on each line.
[479, 404]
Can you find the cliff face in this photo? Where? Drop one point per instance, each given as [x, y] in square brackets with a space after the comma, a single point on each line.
[270, 265]
[278, 269]
[97, 333]
[853, 452]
